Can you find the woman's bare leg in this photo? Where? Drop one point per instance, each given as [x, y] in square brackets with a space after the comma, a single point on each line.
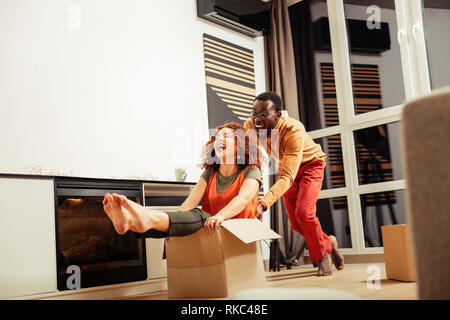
[144, 219]
[141, 219]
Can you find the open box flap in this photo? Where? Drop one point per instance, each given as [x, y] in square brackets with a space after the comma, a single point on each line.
[249, 230]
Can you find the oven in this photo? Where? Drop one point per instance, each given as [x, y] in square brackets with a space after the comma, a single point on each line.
[89, 251]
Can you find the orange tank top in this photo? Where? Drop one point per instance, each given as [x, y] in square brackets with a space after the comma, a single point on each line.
[213, 202]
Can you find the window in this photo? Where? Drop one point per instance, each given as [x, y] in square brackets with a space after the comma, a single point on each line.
[361, 96]
[437, 19]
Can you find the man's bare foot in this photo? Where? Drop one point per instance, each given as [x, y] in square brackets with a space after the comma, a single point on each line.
[120, 218]
[141, 217]
[324, 266]
[336, 256]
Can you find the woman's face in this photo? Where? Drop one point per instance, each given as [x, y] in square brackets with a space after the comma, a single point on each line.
[224, 146]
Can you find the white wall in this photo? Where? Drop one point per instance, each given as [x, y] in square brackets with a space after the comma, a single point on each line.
[119, 92]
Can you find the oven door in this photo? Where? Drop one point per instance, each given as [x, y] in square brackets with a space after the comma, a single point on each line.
[87, 242]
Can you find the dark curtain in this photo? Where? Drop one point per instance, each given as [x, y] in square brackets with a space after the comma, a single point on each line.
[279, 54]
[303, 45]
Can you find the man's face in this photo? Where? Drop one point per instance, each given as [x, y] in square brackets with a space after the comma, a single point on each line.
[264, 115]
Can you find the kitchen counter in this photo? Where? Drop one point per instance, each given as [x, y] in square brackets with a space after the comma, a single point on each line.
[87, 179]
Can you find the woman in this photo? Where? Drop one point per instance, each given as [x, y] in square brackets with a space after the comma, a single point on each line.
[228, 186]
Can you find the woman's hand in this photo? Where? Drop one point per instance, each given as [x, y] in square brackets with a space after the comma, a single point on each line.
[213, 223]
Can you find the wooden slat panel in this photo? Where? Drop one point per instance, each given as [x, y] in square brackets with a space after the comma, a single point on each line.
[367, 97]
[230, 81]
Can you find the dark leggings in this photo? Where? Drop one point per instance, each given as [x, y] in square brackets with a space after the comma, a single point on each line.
[182, 223]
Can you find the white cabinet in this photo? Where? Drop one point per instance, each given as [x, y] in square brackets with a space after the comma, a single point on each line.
[27, 237]
[156, 265]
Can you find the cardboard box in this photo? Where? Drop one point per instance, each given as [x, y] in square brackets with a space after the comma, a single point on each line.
[398, 255]
[217, 265]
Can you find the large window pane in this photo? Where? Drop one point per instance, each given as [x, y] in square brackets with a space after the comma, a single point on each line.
[378, 153]
[381, 209]
[437, 24]
[333, 217]
[375, 59]
[325, 114]
[334, 171]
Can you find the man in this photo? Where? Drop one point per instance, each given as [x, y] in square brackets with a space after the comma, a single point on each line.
[301, 164]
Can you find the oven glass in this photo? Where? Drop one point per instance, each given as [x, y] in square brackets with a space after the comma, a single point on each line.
[88, 240]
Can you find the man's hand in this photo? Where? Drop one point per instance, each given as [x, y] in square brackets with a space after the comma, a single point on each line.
[259, 211]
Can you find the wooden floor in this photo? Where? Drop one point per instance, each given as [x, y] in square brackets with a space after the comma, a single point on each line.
[353, 279]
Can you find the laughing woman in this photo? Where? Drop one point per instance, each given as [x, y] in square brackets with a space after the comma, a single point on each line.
[228, 187]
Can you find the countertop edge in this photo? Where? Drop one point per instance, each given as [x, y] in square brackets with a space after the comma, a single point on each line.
[38, 177]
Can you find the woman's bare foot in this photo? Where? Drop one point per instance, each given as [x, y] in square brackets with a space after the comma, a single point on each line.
[336, 256]
[324, 266]
[141, 217]
[120, 218]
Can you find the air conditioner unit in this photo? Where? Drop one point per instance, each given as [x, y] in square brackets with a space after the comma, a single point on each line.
[250, 17]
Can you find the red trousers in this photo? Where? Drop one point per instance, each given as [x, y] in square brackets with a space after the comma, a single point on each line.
[300, 201]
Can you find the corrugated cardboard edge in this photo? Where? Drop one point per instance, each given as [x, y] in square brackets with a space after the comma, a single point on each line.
[249, 230]
[212, 285]
[406, 254]
[182, 249]
[210, 269]
[244, 266]
[409, 253]
[236, 233]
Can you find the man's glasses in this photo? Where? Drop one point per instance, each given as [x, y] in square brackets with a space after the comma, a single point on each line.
[263, 115]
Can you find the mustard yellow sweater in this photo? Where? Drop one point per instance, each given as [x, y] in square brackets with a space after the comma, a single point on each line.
[295, 147]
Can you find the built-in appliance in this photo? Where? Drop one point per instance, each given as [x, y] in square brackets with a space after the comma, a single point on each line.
[250, 17]
[86, 241]
[362, 39]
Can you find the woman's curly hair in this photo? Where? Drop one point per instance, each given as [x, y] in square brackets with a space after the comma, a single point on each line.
[246, 148]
